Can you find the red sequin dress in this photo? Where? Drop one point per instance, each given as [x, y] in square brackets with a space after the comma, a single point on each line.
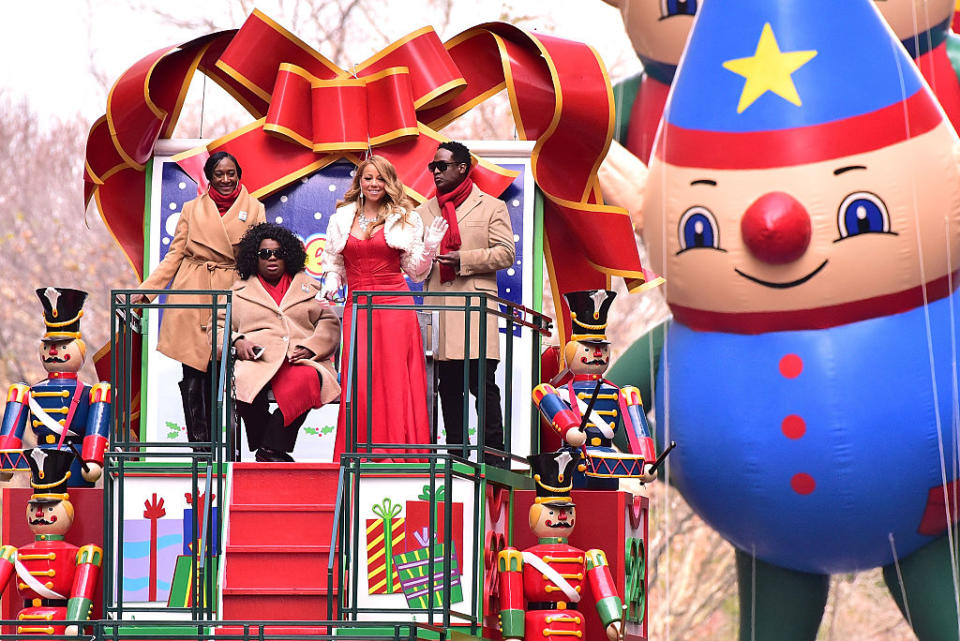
[397, 395]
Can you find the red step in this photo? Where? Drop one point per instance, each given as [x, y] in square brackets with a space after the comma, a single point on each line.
[285, 483]
[280, 605]
[276, 566]
[288, 524]
[272, 632]
[275, 561]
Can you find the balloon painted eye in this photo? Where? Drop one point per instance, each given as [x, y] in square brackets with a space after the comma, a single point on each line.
[698, 229]
[670, 8]
[862, 213]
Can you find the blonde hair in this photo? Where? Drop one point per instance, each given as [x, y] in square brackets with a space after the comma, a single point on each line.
[393, 199]
[533, 515]
[570, 352]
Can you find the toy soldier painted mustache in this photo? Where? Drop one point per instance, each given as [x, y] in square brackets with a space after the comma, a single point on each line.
[61, 410]
[587, 356]
[55, 579]
[540, 587]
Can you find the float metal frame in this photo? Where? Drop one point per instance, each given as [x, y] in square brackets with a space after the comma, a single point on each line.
[203, 462]
[439, 464]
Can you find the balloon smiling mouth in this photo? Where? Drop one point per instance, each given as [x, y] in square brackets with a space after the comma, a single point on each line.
[792, 283]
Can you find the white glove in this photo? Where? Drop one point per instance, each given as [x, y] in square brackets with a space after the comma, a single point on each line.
[330, 286]
[433, 235]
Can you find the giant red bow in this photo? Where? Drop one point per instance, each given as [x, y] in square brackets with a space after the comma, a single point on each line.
[327, 112]
[377, 109]
[311, 113]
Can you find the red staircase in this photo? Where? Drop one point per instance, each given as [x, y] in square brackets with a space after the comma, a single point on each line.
[278, 542]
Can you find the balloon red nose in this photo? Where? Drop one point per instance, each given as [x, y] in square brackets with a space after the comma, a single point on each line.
[776, 228]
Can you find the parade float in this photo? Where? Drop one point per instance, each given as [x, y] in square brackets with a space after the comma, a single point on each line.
[196, 539]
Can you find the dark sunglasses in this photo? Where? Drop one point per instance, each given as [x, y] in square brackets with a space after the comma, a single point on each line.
[441, 165]
[265, 254]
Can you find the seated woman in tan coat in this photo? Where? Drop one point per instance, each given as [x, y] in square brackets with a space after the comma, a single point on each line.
[284, 336]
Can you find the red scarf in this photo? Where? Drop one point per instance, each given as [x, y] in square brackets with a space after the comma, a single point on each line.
[448, 209]
[297, 390]
[295, 387]
[222, 202]
[277, 291]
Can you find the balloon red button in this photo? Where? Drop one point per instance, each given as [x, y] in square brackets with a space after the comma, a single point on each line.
[803, 484]
[793, 426]
[791, 365]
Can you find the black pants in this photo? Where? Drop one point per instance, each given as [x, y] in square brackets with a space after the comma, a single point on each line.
[450, 387]
[265, 428]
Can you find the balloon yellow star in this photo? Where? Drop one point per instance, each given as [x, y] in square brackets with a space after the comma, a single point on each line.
[768, 69]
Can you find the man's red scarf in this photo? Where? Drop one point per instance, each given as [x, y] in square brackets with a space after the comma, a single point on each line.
[448, 209]
[222, 202]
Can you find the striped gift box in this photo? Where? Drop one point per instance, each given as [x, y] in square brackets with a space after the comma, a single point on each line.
[384, 536]
[413, 568]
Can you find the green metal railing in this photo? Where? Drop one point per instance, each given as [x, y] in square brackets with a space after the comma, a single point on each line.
[478, 308]
[440, 470]
[202, 630]
[440, 465]
[202, 461]
[332, 556]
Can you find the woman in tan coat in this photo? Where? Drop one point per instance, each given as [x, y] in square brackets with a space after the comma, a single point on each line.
[284, 335]
[202, 256]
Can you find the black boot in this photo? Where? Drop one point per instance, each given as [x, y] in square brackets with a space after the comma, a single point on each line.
[195, 411]
[279, 440]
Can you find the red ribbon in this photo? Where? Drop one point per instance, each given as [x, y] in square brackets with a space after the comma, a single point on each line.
[312, 113]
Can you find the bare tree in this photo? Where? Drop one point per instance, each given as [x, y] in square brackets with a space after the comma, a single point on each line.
[46, 241]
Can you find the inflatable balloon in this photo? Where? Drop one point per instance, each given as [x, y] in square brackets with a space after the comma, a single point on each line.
[658, 32]
[803, 203]
[924, 29]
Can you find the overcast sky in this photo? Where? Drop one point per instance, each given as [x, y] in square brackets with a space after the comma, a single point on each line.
[48, 47]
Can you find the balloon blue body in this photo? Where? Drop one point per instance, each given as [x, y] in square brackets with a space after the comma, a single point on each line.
[874, 396]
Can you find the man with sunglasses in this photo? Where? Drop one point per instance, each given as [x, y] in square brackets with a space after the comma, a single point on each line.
[478, 242]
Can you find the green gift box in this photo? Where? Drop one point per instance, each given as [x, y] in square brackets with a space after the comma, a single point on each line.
[413, 568]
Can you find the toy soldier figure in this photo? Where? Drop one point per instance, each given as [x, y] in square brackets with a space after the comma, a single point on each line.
[63, 412]
[540, 587]
[56, 580]
[587, 356]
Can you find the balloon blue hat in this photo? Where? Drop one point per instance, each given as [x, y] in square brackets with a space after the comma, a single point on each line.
[770, 84]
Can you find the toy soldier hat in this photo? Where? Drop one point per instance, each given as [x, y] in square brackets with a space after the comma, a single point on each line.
[553, 475]
[588, 314]
[62, 309]
[49, 472]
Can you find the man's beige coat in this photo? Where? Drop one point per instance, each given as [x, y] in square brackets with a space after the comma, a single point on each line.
[301, 320]
[201, 256]
[486, 246]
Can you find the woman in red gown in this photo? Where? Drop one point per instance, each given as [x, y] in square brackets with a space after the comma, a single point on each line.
[374, 238]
